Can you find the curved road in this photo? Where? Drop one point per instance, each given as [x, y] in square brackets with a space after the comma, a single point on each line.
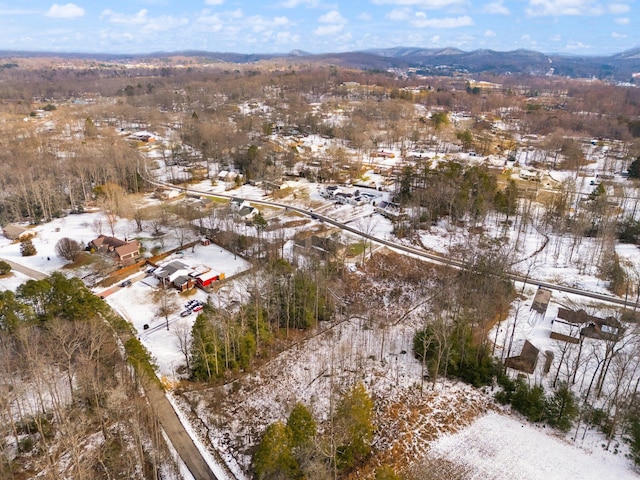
[178, 435]
[432, 257]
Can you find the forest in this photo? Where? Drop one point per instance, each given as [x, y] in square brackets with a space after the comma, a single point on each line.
[503, 183]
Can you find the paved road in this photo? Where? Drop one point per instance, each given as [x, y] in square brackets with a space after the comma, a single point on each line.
[167, 416]
[432, 257]
[29, 272]
[180, 439]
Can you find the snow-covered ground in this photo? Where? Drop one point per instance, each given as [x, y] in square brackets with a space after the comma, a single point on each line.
[139, 305]
[501, 446]
[495, 446]
[12, 280]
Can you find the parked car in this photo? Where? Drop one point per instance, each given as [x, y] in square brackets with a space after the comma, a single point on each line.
[126, 283]
[185, 313]
[197, 308]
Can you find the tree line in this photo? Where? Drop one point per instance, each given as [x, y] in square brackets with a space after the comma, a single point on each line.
[70, 404]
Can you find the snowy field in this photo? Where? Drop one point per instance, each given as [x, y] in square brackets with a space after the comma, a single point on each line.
[495, 446]
[12, 281]
[501, 447]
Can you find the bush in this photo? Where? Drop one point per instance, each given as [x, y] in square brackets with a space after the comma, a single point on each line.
[632, 436]
[529, 401]
[27, 249]
[4, 267]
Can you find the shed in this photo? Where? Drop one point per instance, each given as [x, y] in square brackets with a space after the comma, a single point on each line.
[206, 279]
[526, 361]
[541, 301]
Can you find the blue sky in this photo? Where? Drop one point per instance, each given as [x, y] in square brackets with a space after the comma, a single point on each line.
[141, 26]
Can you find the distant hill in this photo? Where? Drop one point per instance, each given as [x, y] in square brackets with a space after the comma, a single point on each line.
[432, 61]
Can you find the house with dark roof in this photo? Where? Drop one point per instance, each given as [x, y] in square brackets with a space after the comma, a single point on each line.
[121, 250]
[570, 326]
[526, 361]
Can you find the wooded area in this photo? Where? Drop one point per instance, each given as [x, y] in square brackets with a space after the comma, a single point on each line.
[497, 167]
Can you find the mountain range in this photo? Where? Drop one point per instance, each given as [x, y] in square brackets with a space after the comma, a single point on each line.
[430, 61]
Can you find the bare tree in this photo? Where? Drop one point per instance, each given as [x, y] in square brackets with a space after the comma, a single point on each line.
[68, 249]
[182, 332]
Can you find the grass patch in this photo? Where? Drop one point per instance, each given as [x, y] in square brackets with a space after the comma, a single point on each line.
[355, 249]
[82, 260]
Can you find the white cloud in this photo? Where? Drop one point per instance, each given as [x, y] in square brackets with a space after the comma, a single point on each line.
[333, 17]
[70, 10]
[435, 39]
[139, 18]
[563, 7]
[217, 21]
[334, 24]
[496, 7]
[213, 2]
[143, 22]
[618, 8]
[447, 22]
[428, 4]
[259, 23]
[399, 14]
[622, 21]
[297, 3]
[489, 33]
[364, 16]
[575, 45]
[331, 29]
[619, 35]
[164, 23]
[287, 38]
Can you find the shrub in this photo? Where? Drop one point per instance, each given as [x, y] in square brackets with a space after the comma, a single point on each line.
[27, 249]
[4, 267]
[632, 436]
[529, 401]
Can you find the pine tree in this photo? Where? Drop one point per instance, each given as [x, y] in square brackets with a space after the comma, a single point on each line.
[302, 426]
[562, 408]
[355, 421]
[27, 249]
[274, 458]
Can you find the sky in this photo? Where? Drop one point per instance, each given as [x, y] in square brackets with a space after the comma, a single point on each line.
[581, 27]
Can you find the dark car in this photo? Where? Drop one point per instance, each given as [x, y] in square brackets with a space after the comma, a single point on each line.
[126, 283]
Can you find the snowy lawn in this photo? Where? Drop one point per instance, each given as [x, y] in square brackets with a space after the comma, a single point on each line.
[499, 446]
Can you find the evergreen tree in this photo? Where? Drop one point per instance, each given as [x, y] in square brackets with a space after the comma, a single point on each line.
[27, 249]
[562, 408]
[529, 401]
[634, 168]
[206, 362]
[633, 438]
[12, 311]
[302, 426]
[354, 419]
[385, 472]
[4, 268]
[274, 459]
